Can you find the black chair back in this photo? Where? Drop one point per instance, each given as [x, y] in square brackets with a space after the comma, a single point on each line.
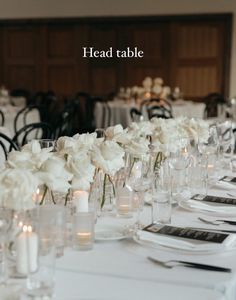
[136, 115]
[212, 101]
[2, 118]
[21, 92]
[32, 131]
[159, 112]
[21, 118]
[7, 144]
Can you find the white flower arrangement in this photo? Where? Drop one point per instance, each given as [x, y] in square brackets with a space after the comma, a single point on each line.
[17, 187]
[76, 159]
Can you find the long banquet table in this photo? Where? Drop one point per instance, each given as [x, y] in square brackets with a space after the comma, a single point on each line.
[120, 269]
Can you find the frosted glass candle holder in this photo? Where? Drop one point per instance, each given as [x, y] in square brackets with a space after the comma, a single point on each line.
[83, 231]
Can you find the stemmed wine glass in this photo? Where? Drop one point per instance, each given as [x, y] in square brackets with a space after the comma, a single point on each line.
[138, 180]
[6, 218]
[210, 149]
[226, 141]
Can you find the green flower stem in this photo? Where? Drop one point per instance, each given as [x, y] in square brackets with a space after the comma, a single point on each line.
[44, 194]
[53, 199]
[158, 161]
[104, 190]
[67, 197]
[113, 187]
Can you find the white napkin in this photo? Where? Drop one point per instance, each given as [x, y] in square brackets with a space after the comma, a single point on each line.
[176, 243]
[211, 207]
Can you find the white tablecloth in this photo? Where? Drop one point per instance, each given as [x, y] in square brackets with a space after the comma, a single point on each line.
[120, 112]
[10, 113]
[120, 269]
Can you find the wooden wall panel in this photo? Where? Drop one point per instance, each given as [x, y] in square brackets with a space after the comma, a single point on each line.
[21, 76]
[61, 79]
[197, 63]
[103, 80]
[151, 39]
[187, 51]
[197, 81]
[20, 56]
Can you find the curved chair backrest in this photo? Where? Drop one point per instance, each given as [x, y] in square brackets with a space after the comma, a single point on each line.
[21, 117]
[159, 112]
[32, 131]
[7, 144]
[2, 118]
[136, 115]
[212, 100]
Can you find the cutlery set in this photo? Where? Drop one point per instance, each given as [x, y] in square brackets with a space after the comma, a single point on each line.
[174, 263]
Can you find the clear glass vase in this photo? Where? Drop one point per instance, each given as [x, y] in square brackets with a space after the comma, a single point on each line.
[104, 191]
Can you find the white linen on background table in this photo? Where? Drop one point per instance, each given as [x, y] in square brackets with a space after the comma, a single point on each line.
[120, 112]
[10, 113]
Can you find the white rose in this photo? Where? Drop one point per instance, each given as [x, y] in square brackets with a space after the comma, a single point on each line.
[108, 156]
[138, 147]
[118, 134]
[147, 82]
[157, 89]
[17, 159]
[16, 189]
[85, 141]
[158, 81]
[66, 144]
[82, 169]
[54, 174]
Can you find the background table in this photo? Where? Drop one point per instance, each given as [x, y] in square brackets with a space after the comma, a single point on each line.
[120, 112]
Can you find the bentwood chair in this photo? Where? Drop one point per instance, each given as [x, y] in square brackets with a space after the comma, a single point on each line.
[157, 111]
[136, 115]
[2, 118]
[22, 117]
[32, 131]
[6, 145]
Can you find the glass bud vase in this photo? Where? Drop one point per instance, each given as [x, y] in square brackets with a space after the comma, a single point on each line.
[105, 193]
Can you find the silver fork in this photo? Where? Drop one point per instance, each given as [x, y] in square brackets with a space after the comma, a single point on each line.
[217, 222]
[210, 222]
[169, 264]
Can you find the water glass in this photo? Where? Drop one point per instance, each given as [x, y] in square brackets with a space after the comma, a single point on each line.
[52, 228]
[6, 217]
[198, 175]
[161, 204]
[40, 284]
[47, 143]
[83, 230]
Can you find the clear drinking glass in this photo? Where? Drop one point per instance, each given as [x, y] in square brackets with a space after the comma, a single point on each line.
[179, 159]
[210, 149]
[6, 218]
[198, 175]
[161, 201]
[52, 220]
[226, 142]
[40, 284]
[47, 143]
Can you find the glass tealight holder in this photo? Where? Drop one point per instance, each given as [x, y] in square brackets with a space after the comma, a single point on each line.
[83, 230]
[124, 202]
